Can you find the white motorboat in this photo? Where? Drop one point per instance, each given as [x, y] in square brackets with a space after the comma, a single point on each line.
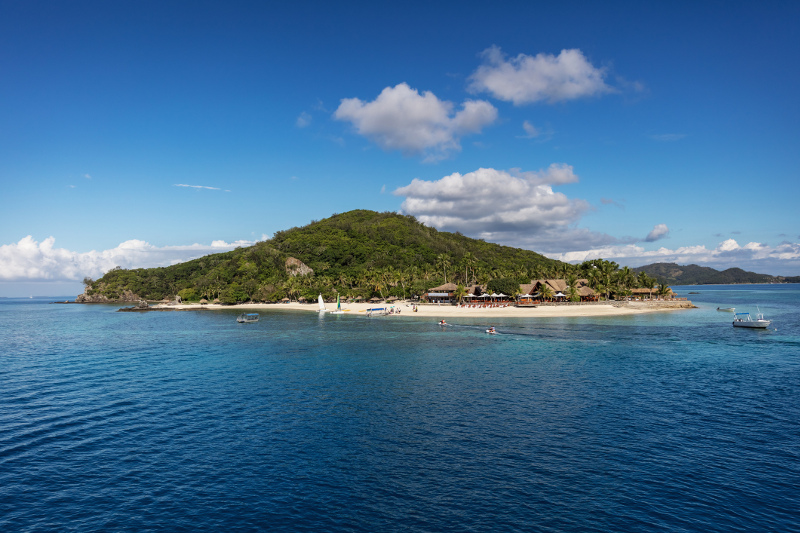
[491, 331]
[245, 318]
[727, 309]
[744, 320]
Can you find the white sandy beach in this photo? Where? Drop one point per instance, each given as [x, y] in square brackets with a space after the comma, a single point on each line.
[450, 311]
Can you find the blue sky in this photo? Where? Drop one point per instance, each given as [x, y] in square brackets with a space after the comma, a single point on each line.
[145, 133]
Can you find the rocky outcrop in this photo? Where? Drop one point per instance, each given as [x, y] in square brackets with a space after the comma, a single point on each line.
[96, 296]
[295, 267]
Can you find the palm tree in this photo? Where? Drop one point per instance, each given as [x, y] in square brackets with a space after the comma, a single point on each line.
[663, 289]
[444, 261]
[460, 292]
[607, 270]
[376, 283]
[469, 262]
[572, 288]
[647, 282]
[291, 286]
[546, 291]
[626, 277]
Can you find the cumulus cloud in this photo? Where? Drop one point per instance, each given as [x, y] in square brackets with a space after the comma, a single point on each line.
[659, 232]
[783, 259]
[30, 260]
[401, 118]
[545, 77]
[510, 207]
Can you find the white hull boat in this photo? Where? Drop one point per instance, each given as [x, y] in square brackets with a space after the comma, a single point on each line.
[727, 309]
[321, 304]
[744, 320]
[246, 318]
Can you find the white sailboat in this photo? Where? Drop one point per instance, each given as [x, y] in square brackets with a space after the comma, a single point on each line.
[339, 309]
[321, 304]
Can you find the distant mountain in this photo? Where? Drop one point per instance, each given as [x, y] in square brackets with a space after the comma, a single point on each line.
[675, 274]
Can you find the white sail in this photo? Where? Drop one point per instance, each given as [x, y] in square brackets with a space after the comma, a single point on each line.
[321, 304]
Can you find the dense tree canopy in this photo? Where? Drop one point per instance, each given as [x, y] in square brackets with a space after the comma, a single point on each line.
[358, 253]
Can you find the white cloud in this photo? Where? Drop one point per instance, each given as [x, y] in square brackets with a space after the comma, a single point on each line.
[30, 260]
[197, 186]
[530, 130]
[783, 259]
[303, 120]
[611, 201]
[200, 187]
[659, 232]
[526, 79]
[87, 176]
[401, 118]
[509, 207]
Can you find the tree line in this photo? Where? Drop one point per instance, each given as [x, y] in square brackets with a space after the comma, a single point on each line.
[357, 254]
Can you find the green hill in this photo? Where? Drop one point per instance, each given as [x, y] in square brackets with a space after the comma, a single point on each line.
[697, 275]
[358, 253]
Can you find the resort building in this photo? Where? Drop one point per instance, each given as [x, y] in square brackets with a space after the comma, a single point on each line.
[443, 294]
[528, 292]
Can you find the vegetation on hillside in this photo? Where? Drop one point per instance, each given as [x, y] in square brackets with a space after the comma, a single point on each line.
[698, 275]
[358, 253]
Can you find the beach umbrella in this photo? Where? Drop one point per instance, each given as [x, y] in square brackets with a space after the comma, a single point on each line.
[559, 295]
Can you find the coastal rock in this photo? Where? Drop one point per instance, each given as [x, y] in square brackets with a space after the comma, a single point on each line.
[94, 295]
[295, 267]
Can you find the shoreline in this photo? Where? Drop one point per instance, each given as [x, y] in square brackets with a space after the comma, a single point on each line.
[611, 309]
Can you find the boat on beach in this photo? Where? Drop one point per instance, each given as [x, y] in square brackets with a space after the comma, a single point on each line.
[744, 320]
[322, 308]
[245, 318]
[339, 309]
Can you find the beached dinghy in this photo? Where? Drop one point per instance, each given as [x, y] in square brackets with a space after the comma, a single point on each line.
[339, 309]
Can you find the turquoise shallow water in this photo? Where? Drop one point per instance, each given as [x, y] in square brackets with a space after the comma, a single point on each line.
[187, 421]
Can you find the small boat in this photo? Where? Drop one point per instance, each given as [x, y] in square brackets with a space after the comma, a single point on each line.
[744, 320]
[491, 331]
[443, 323]
[321, 304]
[339, 309]
[247, 317]
[727, 309]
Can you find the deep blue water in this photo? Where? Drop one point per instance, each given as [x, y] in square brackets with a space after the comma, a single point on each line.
[187, 421]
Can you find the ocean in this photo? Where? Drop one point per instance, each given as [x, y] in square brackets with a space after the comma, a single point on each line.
[188, 421]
